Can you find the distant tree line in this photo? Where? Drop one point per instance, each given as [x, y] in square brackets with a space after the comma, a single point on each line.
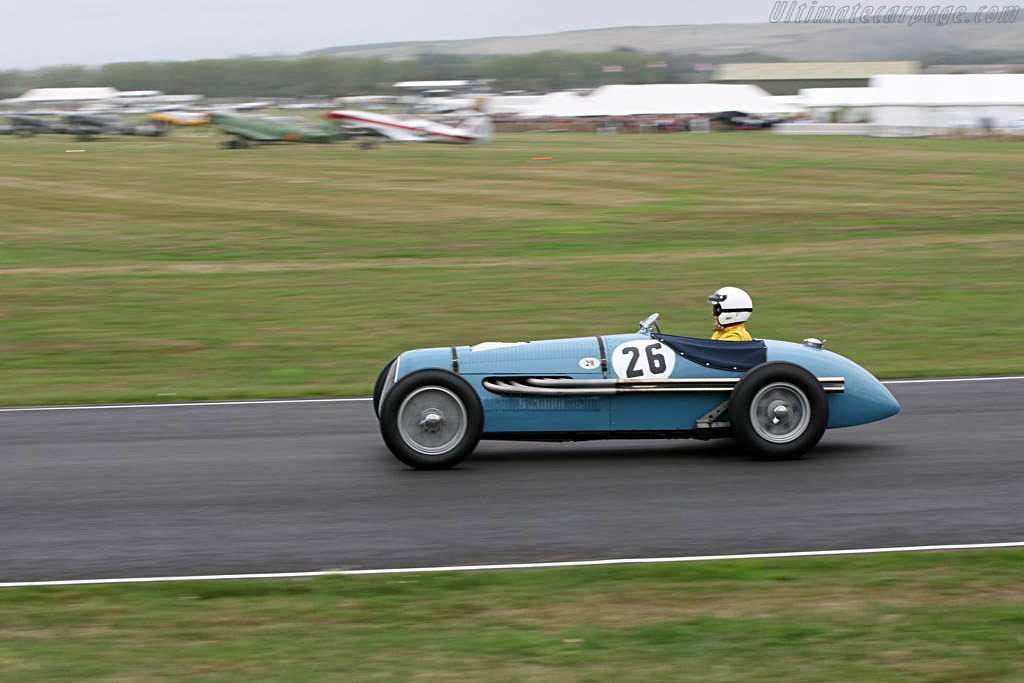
[330, 76]
[326, 76]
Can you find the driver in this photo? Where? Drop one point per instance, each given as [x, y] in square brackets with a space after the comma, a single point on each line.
[731, 307]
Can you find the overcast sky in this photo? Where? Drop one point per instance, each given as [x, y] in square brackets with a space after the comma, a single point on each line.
[51, 32]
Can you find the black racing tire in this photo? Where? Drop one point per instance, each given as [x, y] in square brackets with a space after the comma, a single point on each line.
[778, 411]
[378, 387]
[454, 412]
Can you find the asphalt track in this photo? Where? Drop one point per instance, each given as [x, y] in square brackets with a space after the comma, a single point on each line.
[306, 486]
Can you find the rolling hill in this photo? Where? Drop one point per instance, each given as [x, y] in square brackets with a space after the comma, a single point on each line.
[799, 42]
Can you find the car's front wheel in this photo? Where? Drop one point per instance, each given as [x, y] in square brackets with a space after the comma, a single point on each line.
[380, 385]
[778, 411]
[431, 419]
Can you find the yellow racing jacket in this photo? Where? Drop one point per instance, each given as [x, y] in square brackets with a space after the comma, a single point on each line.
[733, 333]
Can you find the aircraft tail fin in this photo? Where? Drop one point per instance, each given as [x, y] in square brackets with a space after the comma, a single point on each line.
[481, 126]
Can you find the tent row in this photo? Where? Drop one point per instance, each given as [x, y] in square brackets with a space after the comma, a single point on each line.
[893, 100]
[641, 100]
[79, 96]
[927, 101]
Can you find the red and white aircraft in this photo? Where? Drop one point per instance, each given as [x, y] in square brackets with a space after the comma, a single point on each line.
[473, 128]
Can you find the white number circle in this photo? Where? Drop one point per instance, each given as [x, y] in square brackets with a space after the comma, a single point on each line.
[643, 359]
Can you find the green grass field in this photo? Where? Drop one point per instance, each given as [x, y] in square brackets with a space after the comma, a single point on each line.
[923, 617]
[142, 269]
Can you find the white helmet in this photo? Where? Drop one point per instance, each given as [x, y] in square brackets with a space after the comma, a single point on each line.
[731, 306]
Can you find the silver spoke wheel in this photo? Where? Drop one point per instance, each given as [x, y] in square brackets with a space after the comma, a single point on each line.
[432, 420]
[780, 412]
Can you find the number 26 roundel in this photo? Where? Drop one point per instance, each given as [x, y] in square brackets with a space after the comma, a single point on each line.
[643, 359]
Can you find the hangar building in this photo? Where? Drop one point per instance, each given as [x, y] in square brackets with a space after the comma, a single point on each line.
[788, 78]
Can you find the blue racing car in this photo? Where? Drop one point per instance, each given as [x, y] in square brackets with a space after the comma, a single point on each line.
[775, 398]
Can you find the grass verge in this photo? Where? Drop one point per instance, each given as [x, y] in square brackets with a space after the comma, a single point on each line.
[147, 269]
[926, 616]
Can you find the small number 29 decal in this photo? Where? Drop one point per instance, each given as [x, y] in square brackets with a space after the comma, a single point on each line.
[643, 360]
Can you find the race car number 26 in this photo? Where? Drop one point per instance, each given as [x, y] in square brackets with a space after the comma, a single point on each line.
[643, 360]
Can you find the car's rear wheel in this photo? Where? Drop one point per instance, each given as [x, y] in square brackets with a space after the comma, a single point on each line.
[431, 419]
[778, 411]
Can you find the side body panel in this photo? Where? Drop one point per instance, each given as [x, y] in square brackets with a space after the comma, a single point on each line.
[551, 358]
[657, 412]
[579, 358]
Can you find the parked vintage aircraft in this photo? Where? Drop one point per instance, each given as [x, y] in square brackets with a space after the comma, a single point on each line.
[181, 118]
[88, 124]
[257, 128]
[26, 125]
[473, 128]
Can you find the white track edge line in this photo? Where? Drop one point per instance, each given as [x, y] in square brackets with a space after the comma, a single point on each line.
[204, 404]
[193, 404]
[950, 379]
[522, 565]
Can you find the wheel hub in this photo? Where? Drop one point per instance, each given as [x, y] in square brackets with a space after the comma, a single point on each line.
[780, 412]
[432, 422]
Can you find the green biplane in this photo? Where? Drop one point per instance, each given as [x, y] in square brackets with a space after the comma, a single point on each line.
[247, 129]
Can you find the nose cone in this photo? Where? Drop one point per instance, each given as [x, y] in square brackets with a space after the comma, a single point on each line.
[885, 404]
[865, 400]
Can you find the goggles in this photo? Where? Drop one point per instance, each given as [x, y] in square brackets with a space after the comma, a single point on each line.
[716, 300]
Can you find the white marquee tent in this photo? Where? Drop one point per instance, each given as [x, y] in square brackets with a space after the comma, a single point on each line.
[660, 99]
[837, 104]
[63, 95]
[916, 104]
[80, 96]
[947, 100]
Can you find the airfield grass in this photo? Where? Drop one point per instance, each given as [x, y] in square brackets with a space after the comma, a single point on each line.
[919, 617]
[155, 269]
